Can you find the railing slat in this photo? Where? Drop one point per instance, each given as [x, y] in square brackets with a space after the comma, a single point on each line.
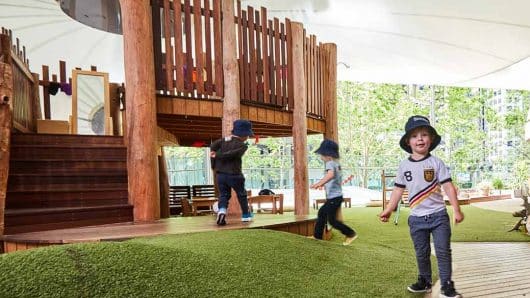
[240, 61]
[219, 85]
[197, 18]
[188, 84]
[179, 56]
[160, 81]
[208, 43]
[168, 48]
[290, 90]
[265, 55]
[259, 59]
[252, 54]
[245, 57]
[277, 62]
[271, 64]
[283, 64]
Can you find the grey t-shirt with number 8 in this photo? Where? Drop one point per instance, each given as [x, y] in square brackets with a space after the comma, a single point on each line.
[423, 179]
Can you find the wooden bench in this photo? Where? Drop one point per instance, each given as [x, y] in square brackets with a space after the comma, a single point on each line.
[205, 191]
[346, 201]
[203, 198]
[176, 195]
[275, 200]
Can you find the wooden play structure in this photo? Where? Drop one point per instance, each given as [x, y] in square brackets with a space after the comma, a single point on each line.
[191, 69]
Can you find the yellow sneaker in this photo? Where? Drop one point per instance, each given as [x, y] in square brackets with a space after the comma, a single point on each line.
[349, 240]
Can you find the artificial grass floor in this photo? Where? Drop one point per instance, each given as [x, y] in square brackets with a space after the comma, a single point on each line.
[242, 263]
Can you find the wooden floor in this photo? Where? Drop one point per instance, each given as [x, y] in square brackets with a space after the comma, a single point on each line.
[490, 270]
[302, 225]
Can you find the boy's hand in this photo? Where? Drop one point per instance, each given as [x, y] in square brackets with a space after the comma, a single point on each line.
[458, 216]
[212, 154]
[385, 215]
[314, 186]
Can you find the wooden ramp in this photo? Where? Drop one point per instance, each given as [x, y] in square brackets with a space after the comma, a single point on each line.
[490, 269]
[301, 225]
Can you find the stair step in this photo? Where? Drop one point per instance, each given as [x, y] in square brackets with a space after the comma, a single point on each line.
[40, 219]
[73, 153]
[26, 180]
[73, 172]
[61, 188]
[63, 181]
[39, 139]
[65, 166]
[95, 195]
[60, 202]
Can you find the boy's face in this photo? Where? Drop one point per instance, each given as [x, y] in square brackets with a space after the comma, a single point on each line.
[420, 141]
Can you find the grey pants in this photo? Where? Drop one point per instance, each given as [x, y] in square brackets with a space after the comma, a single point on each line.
[421, 228]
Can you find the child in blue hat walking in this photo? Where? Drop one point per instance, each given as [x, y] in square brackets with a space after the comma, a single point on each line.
[423, 174]
[329, 153]
[226, 154]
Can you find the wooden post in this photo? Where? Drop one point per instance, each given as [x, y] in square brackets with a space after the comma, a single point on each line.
[330, 99]
[330, 92]
[45, 93]
[301, 186]
[6, 94]
[35, 102]
[115, 108]
[231, 102]
[142, 163]
[164, 185]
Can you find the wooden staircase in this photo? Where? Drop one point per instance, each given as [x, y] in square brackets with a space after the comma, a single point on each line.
[62, 181]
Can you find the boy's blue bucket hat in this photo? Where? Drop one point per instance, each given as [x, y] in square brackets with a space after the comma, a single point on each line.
[328, 148]
[242, 128]
[413, 123]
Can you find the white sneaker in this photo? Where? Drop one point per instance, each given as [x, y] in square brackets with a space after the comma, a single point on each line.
[247, 217]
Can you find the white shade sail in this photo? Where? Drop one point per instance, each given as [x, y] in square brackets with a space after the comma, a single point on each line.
[479, 43]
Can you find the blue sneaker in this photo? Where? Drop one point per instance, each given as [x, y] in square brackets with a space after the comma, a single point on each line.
[247, 217]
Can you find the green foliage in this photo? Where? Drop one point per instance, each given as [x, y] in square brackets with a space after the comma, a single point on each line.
[497, 183]
[371, 120]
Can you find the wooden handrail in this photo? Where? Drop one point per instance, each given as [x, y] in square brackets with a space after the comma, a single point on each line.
[6, 93]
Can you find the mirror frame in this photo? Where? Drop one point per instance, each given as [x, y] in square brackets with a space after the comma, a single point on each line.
[106, 104]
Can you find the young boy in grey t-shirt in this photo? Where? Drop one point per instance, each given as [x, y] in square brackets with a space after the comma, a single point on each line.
[329, 152]
[424, 175]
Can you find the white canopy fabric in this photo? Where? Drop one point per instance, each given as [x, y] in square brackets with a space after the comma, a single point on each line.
[50, 35]
[478, 43]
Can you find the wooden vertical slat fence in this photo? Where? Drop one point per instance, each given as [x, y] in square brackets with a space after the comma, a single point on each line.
[24, 97]
[263, 48]
[188, 55]
[315, 64]
[187, 44]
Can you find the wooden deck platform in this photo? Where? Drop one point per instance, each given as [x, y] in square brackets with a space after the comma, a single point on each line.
[490, 269]
[479, 199]
[302, 225]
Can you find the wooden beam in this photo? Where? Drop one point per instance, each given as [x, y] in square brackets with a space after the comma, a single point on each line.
[6, 95]
[164, 185]
[301, 186]
[330, 92]
[231, 103]
[142, 160]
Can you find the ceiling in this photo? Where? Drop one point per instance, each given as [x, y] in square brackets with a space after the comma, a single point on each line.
[479, 43]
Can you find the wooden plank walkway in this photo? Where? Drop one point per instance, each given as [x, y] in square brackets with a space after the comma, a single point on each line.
[490, 270]
[301, 225]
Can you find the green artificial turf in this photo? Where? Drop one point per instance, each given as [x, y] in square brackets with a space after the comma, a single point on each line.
[243, 263]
